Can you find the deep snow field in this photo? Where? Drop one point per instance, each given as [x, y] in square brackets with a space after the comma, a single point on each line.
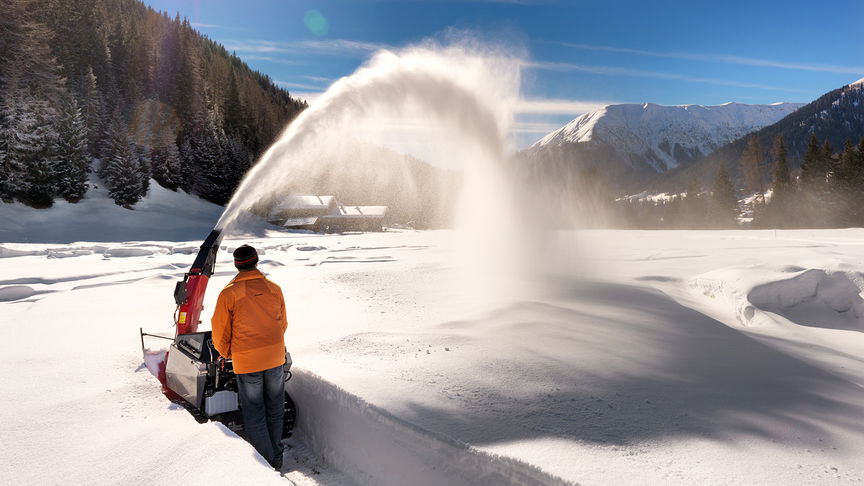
[592, 357]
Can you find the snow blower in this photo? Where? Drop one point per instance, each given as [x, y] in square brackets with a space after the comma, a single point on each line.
[192, 372]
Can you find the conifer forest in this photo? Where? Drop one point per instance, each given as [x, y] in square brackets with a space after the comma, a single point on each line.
[131, 94]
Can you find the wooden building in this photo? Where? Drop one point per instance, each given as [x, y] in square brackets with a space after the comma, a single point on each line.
[325, 214]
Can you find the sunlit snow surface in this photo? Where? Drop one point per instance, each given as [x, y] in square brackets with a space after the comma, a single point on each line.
[625, 357]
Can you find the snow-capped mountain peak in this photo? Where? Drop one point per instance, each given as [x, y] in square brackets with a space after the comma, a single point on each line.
[665, 136]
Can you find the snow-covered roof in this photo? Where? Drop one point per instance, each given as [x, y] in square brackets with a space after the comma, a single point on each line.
[301, 221]
[305, 202]
[362, 211]
[645, 197]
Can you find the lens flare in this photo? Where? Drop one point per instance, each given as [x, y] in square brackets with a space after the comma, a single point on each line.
[316, 23]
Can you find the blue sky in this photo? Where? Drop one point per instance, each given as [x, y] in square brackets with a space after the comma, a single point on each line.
[583, 54]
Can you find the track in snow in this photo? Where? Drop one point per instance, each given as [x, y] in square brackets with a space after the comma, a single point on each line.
[374, 447]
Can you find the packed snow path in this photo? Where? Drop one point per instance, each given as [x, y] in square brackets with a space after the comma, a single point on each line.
[634, 358]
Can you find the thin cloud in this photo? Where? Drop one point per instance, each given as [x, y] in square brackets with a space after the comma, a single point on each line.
[828, 68]
[512, 2]
[343, 46]
[337, 47]
[199, 25]
[724, 58]
[319, 78]
[534, 127]
[290, 85]
[617, 71]
[255, 57]
[550, 106]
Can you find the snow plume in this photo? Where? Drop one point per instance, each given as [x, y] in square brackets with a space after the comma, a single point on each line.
[450, 105]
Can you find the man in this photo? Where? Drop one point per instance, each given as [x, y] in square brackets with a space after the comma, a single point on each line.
[249, 327]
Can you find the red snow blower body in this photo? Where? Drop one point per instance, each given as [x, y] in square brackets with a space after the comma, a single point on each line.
[193, 373]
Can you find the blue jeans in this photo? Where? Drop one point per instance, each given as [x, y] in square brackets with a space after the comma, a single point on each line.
[262, 400]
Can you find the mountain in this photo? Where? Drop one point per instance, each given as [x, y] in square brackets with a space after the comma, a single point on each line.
[632, 141]
[835, 116]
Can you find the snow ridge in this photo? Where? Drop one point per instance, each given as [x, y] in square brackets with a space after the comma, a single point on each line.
[375, 447]
[664, 135]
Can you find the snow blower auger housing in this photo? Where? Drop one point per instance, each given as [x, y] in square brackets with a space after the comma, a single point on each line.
[195, 375]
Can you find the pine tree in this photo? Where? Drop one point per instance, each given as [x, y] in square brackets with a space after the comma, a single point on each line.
[782, 178]
[121, 166]
[144, 169]
[235, 113]
[209, 166]
[93, 112]
[724, 204]
[11, 170]
[831, 197]
[847, 185]
[73, 164]
[29, 140]
[827, 156]
[38, 150]
[861, 151]
[693, 208]
[815, 200]
[30, 83]
[165, 159]
[752, 168]
[778, 212]
[812, 171]
[123, 177]
[166, 69]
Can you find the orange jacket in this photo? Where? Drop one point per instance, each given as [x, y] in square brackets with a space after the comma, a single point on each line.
[249, 323]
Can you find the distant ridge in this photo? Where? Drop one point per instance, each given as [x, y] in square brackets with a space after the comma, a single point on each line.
[835, 116]
[637, 140]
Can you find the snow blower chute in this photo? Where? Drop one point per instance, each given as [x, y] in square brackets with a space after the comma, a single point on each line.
[192, 372]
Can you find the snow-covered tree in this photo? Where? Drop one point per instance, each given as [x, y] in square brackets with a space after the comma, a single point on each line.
[29, 144]
[121, 168]
[30, 84]
[73, 164]
[145, 171]
[93, 112]
[165, 159]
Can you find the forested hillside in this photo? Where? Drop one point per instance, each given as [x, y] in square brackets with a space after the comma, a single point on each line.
[833, 118]
[139, 91]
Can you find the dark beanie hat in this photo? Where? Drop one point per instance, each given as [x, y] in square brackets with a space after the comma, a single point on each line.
[245, 257]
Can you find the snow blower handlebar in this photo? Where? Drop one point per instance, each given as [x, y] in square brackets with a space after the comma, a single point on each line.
[189, 293]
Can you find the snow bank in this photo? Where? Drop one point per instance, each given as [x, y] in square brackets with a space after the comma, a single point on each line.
[11, 252]
[813, 297]
[810, 297]
[375, 447]
[69, 253]
[127, 252]
[161, 215]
